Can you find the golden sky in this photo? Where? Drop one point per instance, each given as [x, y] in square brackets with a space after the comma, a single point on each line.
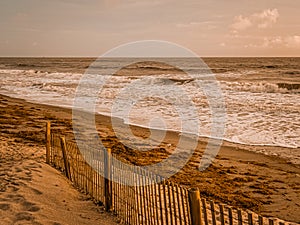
[207, 27]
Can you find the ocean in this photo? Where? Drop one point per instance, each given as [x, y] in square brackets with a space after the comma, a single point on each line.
[261, 95]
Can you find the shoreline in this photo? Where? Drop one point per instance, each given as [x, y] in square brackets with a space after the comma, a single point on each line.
[256, 148]
[240, 176]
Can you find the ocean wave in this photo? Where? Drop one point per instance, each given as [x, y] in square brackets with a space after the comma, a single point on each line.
[264, 87]
[150, 66]
[12, 71]
[166, 81]
[292, 72]
[289, 86]
[30, 65]
[18, 71]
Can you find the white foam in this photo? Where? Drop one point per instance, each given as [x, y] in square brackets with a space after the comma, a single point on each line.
[258, 113]
[257, 87]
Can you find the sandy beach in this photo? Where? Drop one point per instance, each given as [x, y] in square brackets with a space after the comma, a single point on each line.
[150, 112]
[33, 192]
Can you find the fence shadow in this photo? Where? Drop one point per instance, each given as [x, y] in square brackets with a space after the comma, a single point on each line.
[138, 196]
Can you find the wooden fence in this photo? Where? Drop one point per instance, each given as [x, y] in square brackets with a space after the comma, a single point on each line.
[148, 201]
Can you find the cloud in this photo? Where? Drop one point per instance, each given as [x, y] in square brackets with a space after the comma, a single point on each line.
[210, 25]
[241, 23]
[266, 18]
[191, 24]
[270, 42]
[293, 41]
[277, 42]
[261, 20]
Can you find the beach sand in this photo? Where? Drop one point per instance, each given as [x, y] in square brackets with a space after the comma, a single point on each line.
[32, 192]
[268, 185]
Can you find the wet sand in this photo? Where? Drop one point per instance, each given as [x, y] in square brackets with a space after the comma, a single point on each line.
[246, 179]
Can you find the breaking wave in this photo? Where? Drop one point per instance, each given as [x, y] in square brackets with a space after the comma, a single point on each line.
[264, 87]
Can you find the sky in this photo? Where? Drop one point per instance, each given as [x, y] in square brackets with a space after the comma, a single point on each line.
[92, 27]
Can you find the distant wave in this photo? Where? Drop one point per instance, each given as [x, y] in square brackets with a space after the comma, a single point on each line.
[295, 72]
[154, 67]
[167, 81]
[289, 86]
[263, 87]
[17, 71]
[29, 65]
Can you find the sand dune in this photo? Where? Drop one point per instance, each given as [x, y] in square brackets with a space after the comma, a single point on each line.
[32, 192]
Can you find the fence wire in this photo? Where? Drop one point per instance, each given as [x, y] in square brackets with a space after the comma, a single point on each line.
[146, 202]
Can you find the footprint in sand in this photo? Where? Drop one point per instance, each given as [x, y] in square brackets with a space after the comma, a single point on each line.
[24, 216]
[29, 206]
[18, 170]
[25, 178]
[13, 188]
[56, 223]
[32, 165]
[15, 198]
[4, 206]
[37, 192]
[4, 199]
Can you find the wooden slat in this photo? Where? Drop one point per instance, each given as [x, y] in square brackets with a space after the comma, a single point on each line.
[184, 205]
[213, 212]
[240, 218]
[85, 177]
[222, 214]
[147, 197]
[179, 205]
[123, 194]
[163, 221]
[107, 180]
[137, 197]
[260, 220]
[97, 181]
[158, 216]
[165, 203]
[174, 204]
[134, 197]
[127, 212]
[204, 211]
[146, 213]
[48, 141]
[127, 197]
[142, 212]
[250, 219]
[118, 192]
[131, 199]
[152, 198]
[170, 203]
[230, 217]
[151, 202]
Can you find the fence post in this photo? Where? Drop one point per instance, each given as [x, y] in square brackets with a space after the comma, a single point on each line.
[107, 179]
[48, 141]
[195, 206]
[250, 219]
[240, 217]
[64, 152]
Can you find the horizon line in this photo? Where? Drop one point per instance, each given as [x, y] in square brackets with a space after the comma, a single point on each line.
[150, 57]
